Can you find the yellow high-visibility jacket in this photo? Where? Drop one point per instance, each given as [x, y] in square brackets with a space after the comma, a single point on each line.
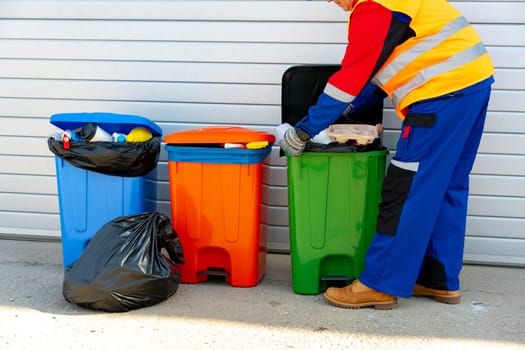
[444, 55]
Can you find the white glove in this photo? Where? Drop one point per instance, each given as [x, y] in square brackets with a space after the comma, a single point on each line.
[289, 141]
[281, 130]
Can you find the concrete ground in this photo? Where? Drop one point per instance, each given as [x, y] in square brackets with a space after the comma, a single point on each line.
[212, 314]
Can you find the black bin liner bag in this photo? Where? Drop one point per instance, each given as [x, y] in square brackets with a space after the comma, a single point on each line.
[125, 266]
[126, 159]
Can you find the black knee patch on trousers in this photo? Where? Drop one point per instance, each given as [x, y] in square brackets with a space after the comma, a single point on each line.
[432, 274]
[394, 193]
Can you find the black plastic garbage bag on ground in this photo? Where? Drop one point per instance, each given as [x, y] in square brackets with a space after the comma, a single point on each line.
[127, 159]
[124, 266]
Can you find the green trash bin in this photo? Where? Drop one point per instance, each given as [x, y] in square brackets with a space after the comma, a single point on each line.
[333, 200]
[333, 193]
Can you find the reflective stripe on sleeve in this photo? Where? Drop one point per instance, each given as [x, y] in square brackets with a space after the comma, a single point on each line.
[338, 94]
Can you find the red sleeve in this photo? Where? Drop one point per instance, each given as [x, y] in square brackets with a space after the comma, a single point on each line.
[367, 35]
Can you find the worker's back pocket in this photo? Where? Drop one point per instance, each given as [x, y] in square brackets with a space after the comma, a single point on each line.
[420, 120]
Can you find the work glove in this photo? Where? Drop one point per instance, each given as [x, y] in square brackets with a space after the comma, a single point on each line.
[289, 141]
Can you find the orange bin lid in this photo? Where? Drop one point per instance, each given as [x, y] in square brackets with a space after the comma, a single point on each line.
[218, 134]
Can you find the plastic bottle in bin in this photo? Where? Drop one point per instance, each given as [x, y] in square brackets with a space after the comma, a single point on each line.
[118, 137]
[91, 132]
[66, 136]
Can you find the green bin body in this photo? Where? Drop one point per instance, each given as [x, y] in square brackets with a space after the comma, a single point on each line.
[333, 200]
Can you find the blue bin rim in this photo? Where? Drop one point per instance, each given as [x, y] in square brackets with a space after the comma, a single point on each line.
[210, 155]
[111, 122]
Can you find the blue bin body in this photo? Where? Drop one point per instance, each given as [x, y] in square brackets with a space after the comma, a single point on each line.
[87, 199]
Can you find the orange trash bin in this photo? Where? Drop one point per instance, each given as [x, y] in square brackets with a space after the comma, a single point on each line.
[215, 177]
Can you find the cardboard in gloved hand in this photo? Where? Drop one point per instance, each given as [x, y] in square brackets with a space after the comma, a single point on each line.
[362, 134]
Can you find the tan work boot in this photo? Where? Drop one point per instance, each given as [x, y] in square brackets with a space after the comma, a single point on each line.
[442, 296]
[357, 295]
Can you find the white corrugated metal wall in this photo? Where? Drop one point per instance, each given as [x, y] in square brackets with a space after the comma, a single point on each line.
[188, 64]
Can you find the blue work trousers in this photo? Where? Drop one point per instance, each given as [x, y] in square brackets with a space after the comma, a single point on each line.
[422, 215]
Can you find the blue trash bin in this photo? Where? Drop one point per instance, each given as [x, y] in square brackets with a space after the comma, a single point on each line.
[90, 199]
